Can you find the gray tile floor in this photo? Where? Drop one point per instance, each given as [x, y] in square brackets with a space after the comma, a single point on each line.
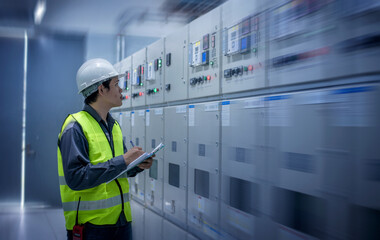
[32, 224]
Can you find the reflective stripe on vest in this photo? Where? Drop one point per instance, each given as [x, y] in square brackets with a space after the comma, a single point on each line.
[95, 205]
[62, 180]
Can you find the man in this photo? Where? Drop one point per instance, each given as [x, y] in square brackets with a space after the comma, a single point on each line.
[91, 152]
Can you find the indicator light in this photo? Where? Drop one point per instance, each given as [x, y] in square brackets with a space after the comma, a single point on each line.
[140, 93]
[211, 63]
[126, 97]
[205, 78]
[127, 88]
[141, 84]
[245, 69]
[155, 90]
[250, 67]
[160, 63]
[208, 77]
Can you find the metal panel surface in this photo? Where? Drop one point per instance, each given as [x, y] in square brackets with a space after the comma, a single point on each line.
[176, 65]
[137, 183]
[125, 82]
[138, 78]
[175, 169]
[244, 46]
[205, 55]
[203, 170]
[243, 166]
[154, 122]
[155, 72]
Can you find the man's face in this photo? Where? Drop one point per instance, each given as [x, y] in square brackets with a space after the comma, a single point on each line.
[113, 94]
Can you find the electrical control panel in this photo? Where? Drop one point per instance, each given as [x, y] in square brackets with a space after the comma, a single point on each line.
[243, 165]
[175, 169]
[124, 119]
[203, 168]
[125, 83]
[154, 124]
[355, 48]
[137, 183]
[155, 73]
[138, 78]
[205, 55]
[300, 41]
[243, 46]
[176, 67]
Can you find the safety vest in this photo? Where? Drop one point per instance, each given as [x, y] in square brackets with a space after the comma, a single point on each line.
[100, 205]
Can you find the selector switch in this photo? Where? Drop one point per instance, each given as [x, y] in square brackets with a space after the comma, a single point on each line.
[227, 73]
[241, 70]
[193, 81]
[167, 87]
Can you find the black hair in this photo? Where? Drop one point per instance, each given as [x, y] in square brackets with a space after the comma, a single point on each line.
[94, 96]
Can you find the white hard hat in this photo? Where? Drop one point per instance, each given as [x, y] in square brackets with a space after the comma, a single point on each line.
[92, 73]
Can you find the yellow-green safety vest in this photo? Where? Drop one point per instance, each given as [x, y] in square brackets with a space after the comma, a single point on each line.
[100, 205]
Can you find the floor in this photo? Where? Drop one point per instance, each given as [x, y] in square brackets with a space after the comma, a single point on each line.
[35, 223]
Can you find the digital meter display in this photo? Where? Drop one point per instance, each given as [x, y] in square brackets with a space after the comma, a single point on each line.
[206, 41]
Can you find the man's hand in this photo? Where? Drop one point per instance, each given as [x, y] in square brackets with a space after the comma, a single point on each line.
[132, 155]
[147, 163]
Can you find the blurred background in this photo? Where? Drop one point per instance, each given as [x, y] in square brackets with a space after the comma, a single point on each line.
[269, 112]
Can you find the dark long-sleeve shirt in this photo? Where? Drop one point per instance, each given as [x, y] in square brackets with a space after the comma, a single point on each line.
[79, 173]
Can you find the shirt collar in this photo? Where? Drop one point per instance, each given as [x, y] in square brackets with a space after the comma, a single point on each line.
[96, 116]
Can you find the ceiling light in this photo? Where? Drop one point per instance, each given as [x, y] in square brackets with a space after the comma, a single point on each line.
[39, 11]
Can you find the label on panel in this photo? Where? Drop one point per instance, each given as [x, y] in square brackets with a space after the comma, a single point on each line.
[226, 113]
[191, 116]
[147, 118]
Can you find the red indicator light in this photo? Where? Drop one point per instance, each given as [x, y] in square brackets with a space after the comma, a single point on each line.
[128, 76]
[126, 97]
[208, 77]
[140, 93]
[250, 67]
[142, 70]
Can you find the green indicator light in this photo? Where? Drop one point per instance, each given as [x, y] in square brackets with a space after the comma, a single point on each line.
[127, 88]
[155, 90]
[141, 84]
[245, 69]
[211, 63]
[205, 78]
[254, 50]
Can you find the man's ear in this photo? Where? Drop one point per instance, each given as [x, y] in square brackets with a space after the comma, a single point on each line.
[101, 89]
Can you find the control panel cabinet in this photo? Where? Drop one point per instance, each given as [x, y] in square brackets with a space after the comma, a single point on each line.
[243, 46]
[300, 41]
[155, 73]
[175, 169]
[138, 78]
[203, 170]
[176, 65]
[125, 82]
[243, 166]
[205, 55]
[137, 183]
[154, 123]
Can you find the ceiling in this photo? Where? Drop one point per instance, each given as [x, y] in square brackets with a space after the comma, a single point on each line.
[153, 18]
